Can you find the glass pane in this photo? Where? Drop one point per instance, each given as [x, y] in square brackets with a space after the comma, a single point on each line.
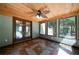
[19, 29]
[27, 29]
[51, 28]
[67, 28]
[42, 28]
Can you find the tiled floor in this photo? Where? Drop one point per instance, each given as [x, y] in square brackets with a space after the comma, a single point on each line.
[39, 47]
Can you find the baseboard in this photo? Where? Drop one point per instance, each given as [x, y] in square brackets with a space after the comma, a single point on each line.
[49, 39]
[6, 46]
[36, 38]
[76, 47]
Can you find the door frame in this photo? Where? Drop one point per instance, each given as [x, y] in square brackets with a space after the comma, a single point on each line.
[14, 30]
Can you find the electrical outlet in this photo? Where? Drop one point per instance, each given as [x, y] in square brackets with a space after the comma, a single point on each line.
[6, 40]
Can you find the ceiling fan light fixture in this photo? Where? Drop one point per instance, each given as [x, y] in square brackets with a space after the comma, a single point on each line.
[39, 16]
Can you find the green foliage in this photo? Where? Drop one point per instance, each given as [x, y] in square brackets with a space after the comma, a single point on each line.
[70, 21]
[66, 24]
[51, 24]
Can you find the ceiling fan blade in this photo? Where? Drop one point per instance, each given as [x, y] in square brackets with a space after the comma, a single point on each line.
[45, 11]
[44, 16]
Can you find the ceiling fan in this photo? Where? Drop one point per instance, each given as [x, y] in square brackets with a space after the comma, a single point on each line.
[40, 12]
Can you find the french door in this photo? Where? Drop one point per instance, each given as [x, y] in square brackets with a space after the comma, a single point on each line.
[22, 29]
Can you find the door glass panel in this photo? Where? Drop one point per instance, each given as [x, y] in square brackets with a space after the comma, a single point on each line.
[27, 29]
[19, 29]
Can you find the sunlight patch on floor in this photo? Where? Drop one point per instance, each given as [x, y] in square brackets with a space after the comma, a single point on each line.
[66, 47]
[68, 41]
[62, 52]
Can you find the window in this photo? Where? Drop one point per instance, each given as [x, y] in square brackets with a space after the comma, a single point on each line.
[42, 28]
[67, 28]
[51, 27]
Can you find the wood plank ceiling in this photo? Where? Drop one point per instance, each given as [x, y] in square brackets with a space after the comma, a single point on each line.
[57, 10]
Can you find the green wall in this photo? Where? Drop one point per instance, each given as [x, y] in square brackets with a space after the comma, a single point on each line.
[35, 29]
[5, 30]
